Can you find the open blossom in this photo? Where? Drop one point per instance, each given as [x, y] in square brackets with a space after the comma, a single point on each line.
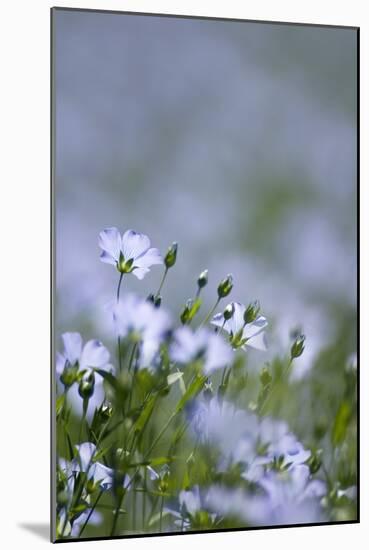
[146, 324]
[79, 357]
[288, 498]
[242, 438]
[95, 471]
[130, 253]
[241, 334]
[202, 344]
[91, 355]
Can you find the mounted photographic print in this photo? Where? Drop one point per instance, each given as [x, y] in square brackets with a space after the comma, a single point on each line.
[204, 274]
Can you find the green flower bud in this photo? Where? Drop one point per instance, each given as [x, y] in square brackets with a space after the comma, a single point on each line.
[185, 315]
[171, 256]
[87, 385]
[203, 279]
[251, 312]
[298, 347]
[314, 463]
[229, 311]
[225, 287]
[265, 377]
[69, 375]
[157, 301]
[62, 498]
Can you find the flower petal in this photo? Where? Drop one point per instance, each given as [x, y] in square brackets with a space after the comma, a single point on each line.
[149, 258]
[218, 354]
[140, 272]
[86, 452]
[59, 363]
[257, 342]
[72, 346]
[134, 244]
[94, 354]
[237, 322]
[252, 329]
[110, 243]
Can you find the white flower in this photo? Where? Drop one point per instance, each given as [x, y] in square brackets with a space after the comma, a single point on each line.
[292, 486]
[92, 354]
[288, 498]
[189, 501]
[201, 344]
[241, 335]
[145, 323]
[130, 253]
[83, 357]
[97, 472]
[221, 424]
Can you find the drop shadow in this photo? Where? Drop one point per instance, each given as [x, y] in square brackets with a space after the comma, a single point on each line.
[42, 530]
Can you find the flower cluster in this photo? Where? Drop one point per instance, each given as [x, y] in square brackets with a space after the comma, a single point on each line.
[165, 428]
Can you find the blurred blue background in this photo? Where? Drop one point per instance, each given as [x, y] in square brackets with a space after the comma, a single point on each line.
[236, 139]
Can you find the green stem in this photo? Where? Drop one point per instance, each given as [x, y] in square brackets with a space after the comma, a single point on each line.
[118, 289]
[144, 499]
[161, 514]
[162, 282]
[91, 511]
[210, 313]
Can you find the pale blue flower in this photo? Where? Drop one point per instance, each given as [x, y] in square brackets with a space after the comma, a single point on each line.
[91, 355]
[130, 253]
[95, 471]
[242, 335]
[190, 501]
[201, 344]
[288, 497]
[144, 323]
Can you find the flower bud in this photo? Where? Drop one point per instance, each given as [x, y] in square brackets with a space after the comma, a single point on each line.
[202, 279]
[171, 256]
[185, 315]
[229, 311]
[225, 287]
[251, 312]
[265, 377]
[69, 375]
[298, 347]
[151, 298]
[157, 301]
[87, 385]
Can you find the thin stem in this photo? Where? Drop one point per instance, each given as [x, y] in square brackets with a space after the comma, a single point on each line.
[118, 289]
[210, 313]
[162, 282]
[161, 514]
[91, 511]
[144, 499]
[116, 513]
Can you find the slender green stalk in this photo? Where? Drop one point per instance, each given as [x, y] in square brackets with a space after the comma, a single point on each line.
[91, 511]
[161, 514]
[162, 282]
[144, 499]
[118, 289]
